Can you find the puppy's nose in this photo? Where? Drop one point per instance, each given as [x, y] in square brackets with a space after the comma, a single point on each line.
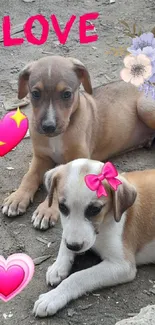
[48, 127]
[74, 246]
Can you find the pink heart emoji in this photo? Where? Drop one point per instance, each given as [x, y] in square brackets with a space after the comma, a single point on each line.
[13, 128]
[15, 274]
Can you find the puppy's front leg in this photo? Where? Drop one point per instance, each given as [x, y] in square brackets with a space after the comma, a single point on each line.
[107, 273]
[60, 269]
[45, 216]
[18, 201]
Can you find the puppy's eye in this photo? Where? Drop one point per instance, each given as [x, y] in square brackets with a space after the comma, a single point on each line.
[66, 94]
[93, 210]
[36, 94]
[63, 209]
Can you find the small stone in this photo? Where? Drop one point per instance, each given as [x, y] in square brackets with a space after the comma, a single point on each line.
[15, 103]
[85, 307]
[46, 52]
[42, 240]
[6, 316]
[56, 43]
[147, 292]
[71, 312]
[41, 259]
[27, 135]
[152, 290]
[28, 1]
[96, 294]
[132, 314]
[16, 233]
[10, 315]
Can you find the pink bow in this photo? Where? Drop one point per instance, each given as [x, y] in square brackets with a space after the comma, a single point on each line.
[94, 182]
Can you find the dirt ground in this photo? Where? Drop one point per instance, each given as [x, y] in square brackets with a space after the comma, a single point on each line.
[17, 235]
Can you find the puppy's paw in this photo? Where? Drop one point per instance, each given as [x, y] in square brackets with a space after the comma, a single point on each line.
[56, 273]
[44, 217]
[49, 303]
[16, 204]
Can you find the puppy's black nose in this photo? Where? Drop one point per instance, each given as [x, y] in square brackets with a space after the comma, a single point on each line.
[74, 246]
[48, 127]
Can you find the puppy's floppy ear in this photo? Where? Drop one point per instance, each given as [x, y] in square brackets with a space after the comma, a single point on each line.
[123, 198]
[23, 80]
[82, 74]
[51, 178]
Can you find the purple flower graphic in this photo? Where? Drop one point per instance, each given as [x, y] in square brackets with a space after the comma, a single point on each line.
[139, 43]
[148, 51]
[147, 88]
[145, 44]
[152, 79]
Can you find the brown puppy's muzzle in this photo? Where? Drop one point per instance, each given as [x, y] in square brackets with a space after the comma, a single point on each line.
[48, 127]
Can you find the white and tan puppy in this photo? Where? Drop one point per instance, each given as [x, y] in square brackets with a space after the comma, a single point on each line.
[119, 227]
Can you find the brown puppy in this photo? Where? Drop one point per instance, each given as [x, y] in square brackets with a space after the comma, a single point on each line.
[67, 124]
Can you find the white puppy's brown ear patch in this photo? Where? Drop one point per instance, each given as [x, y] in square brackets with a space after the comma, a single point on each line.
[23, 80]
[52, 189]
[82, 74]
[48, 179]
[50, 182]
[51, 179]
[123, 198]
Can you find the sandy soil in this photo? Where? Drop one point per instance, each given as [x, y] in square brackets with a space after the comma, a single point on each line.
[17, 235]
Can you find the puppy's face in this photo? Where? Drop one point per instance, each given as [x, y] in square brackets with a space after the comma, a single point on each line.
[82, 213]
[53, 84]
